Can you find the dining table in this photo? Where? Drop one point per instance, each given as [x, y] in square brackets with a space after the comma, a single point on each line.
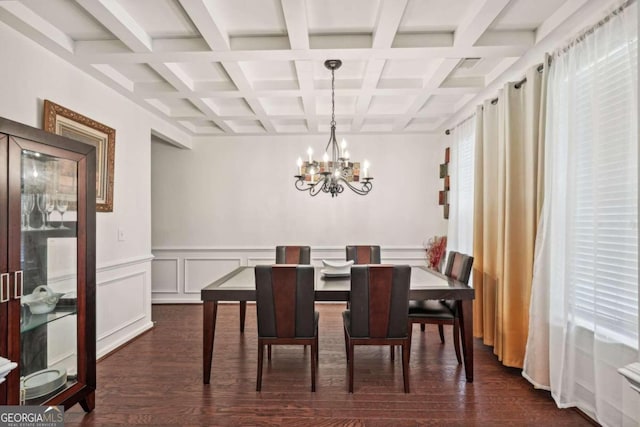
[426, 284]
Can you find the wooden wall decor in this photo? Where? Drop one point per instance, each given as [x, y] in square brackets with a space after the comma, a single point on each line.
[443, 195]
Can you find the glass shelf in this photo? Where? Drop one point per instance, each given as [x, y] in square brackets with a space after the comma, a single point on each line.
[32, 321]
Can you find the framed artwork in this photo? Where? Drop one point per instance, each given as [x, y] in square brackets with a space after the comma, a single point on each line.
[68, 123]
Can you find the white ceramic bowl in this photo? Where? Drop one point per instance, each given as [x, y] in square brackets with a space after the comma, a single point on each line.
[42, 300]
[337, 264]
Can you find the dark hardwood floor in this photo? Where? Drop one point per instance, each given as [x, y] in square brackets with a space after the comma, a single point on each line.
[157, 380]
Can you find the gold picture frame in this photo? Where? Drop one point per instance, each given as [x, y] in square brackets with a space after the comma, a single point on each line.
[65, 122]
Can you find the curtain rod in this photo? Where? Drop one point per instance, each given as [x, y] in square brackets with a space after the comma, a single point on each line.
[448, 131]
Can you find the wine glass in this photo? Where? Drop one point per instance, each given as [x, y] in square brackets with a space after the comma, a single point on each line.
[49, 206]
[41, 204]
[61, 206]
[28, 203]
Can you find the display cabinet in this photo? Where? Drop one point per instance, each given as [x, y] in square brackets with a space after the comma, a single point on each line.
[47, 267]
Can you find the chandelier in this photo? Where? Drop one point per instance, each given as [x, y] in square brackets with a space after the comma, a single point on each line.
[335, 171]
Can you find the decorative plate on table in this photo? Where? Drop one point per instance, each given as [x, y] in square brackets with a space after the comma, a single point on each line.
[336, 268]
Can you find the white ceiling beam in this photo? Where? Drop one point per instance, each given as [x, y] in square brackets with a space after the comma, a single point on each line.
[477, 20]
[173, 74]
[389, 17]
[208, 111]
[213, 32]
[117, 20]
[116, 76]
[500, 68]
[20, 17]
[563, 13]
[371, 77]
[242, 83]
[507, 38]
[299, 55]
[304, 71]
[295, 17]
[442, 70]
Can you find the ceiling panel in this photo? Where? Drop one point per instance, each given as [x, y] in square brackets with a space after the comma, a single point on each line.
[525, 14]
[250, 17]
[341, 17]
[68, 17]
[433, 15]
[160, 18]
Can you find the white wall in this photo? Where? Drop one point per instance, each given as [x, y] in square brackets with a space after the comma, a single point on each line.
[230, 200]
[29, 74]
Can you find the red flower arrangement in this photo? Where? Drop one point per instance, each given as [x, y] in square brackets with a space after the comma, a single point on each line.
[436, 249]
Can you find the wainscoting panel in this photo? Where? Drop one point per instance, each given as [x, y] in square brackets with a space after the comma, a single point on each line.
[123, 302]
[180, 273]
[200, 272]
[165, 275]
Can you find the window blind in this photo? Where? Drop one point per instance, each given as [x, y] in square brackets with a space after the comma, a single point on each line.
[603, 263]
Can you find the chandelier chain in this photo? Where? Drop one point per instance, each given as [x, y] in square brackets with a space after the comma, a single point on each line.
[333, 98]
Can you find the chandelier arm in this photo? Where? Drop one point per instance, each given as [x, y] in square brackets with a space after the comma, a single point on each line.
[363, 190]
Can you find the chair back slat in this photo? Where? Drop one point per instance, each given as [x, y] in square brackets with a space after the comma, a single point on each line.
[380, 282]
[284, 300]
[449, 267]
[361, 254]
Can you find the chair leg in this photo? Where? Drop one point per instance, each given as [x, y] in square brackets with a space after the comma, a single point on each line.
[243, 314]
[260, 358]
[410, 335]
[405, 365]
[392, 351]
[456, 340]
[346, 344]
[314, 357]
[351, 363]
[422, 327]
[441, 332]
[269, 352]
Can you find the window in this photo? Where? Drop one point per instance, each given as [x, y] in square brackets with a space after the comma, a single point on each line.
[602, 270]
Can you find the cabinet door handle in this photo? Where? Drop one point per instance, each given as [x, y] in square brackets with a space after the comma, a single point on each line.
[17, 295]
[4, 287]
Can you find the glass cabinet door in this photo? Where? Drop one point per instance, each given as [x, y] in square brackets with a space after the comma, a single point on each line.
[49, 276]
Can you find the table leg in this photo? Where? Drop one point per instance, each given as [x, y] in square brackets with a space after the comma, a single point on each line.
[243, 312]
[465, 312]
[208, 333]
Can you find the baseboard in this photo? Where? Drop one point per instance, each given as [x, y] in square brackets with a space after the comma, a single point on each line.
[104, 352]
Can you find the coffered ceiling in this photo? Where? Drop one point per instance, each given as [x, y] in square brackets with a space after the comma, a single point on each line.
[225, 67]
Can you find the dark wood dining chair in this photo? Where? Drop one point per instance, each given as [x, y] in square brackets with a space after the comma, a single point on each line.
[286, 313]
[293, 255]
[363, 254]
[284, 255]
[444, 312]
[378, 313]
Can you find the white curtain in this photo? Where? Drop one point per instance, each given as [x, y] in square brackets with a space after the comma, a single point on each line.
[584, 305]
[461, 175]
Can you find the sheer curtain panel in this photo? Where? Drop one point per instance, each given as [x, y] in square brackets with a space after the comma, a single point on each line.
[460, 228]
[584, 305]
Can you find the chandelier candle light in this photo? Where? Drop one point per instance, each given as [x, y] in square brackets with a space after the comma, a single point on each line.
[335, 171]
